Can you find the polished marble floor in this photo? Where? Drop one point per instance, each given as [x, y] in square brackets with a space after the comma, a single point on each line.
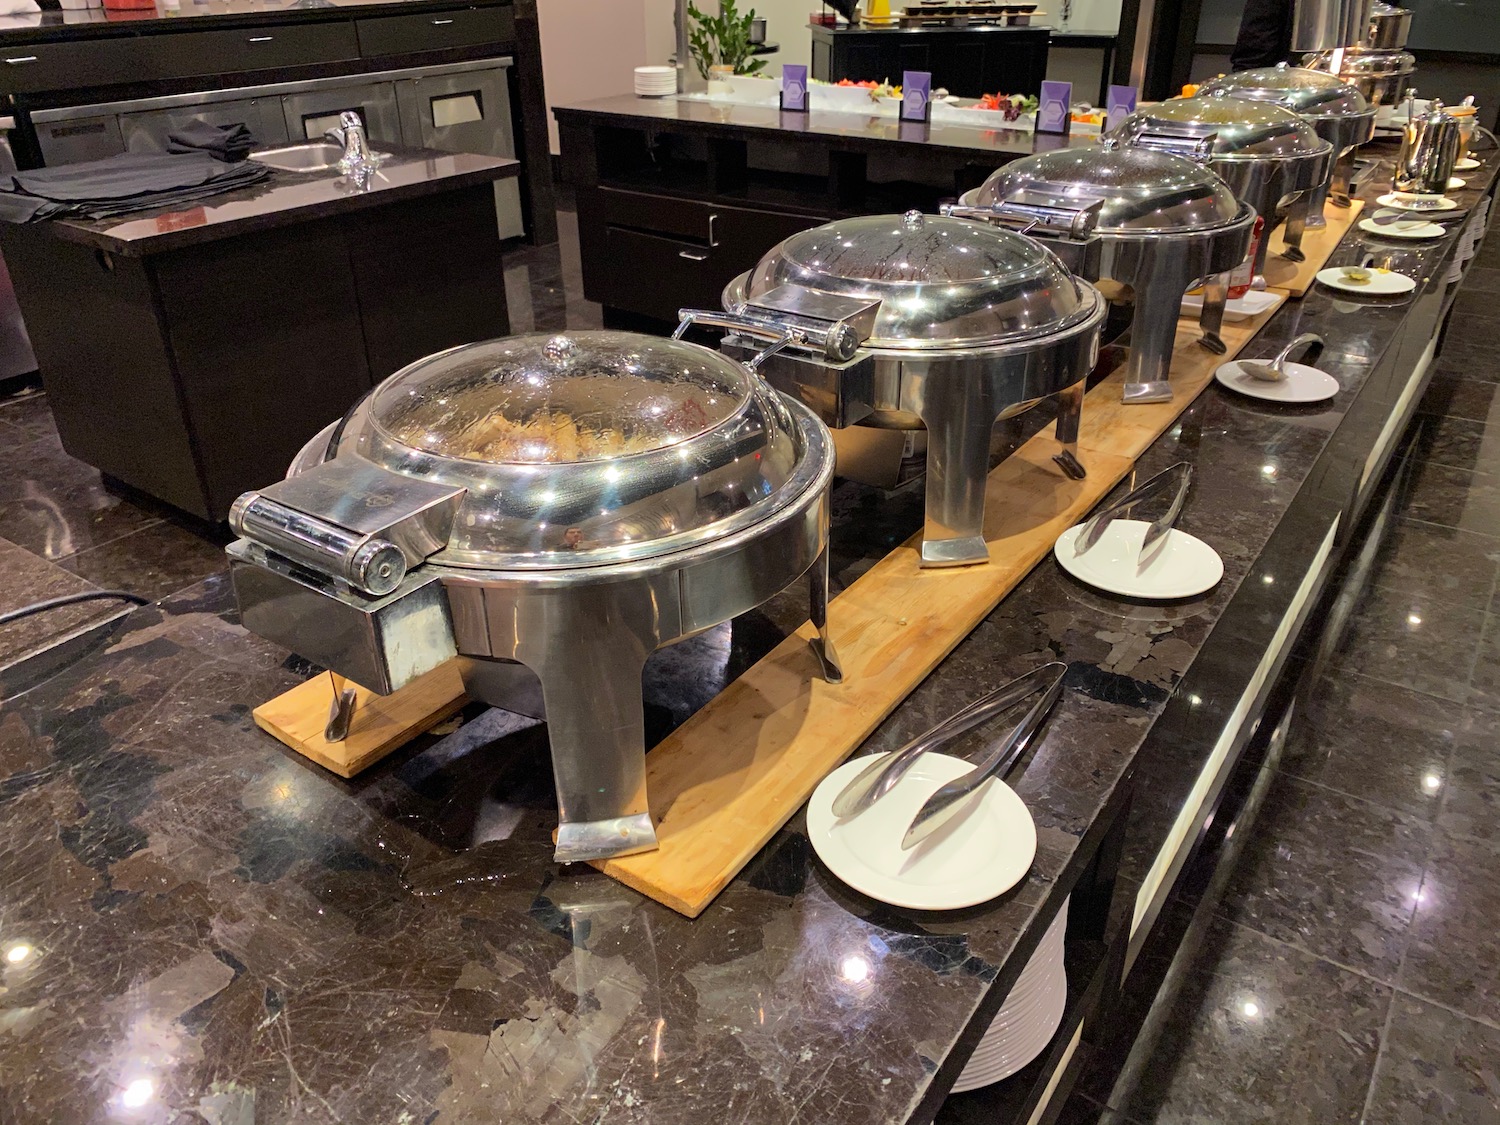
[1352, 970]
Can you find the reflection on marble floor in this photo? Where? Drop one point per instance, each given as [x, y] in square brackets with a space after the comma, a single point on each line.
[1351, 970]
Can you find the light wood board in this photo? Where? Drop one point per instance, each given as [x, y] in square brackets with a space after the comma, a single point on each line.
[725, 782]
[1318, 244]
[381, 723]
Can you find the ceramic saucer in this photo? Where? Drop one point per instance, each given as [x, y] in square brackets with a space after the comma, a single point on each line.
[1302, 383]
[1382, 283]
[1433, 203]
[1181, 566]
[1250, 305]
[974, 858]
[1456, 182]
[1386, 225]
[1467, 164]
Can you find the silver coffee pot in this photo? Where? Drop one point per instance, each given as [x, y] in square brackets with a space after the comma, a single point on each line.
[1429, 150]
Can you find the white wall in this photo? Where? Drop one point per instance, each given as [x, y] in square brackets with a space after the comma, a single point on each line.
[590, 49]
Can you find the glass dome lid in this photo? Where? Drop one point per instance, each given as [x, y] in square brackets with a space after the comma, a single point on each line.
[1141, 190]
[1364, 62]
[942, 283]
[1309, 93]
[585, 449]
[1243, 129]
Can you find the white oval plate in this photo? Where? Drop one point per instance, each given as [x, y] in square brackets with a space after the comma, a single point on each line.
[1467, 164]
[1251, 304]
[1179, 567]
[1382, 283]
[1401, 228]
[979, 855]
[1456, 182]
[1440, 203]
[1302, 383]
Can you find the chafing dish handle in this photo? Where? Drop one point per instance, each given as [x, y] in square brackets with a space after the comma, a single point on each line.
[1033, 218]
[836, 342]
[367, 563]
[1194, 146]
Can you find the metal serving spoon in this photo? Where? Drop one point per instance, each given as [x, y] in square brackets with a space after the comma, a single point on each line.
[1275, 371]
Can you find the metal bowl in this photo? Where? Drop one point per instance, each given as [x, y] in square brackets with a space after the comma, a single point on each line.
[568, 504]
[950, 325]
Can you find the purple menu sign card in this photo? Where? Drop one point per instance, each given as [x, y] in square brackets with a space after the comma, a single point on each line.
[1121, 105]
[1052, 113]
[794, 88]
[916, 89]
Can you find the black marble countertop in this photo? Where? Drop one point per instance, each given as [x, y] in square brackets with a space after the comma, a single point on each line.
[854, 131]
[284, 199]
[196, 923]
[96, 23]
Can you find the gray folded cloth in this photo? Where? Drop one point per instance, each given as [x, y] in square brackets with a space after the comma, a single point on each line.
[227, 142]
[118, 185]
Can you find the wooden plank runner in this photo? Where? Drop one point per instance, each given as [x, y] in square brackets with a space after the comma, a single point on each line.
[1318, 244]
[381, 723]
[725, 782]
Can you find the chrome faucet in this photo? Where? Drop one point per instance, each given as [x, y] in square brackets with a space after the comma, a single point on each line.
[358, 160]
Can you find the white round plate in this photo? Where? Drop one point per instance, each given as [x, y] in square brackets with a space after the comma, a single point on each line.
[1439, 203]
[1302, 383]
[1251, 304]
[1467, 164]
[1401, 228]
[1456, 182]
[1179, 567]
[1382, 283]
[980, 854]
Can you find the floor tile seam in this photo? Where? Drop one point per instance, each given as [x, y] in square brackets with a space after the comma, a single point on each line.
[1482, 1021]
[1300, 948]
[1385, 1034]
[1433, 697]
[1429, 524]
[154, 521]
[1484, 632]
[1366, 801]
[1418, 460]
[1407, 687]
[1438, 600]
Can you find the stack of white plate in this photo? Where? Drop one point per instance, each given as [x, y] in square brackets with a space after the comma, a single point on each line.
[655, 81]
[1029, 1019]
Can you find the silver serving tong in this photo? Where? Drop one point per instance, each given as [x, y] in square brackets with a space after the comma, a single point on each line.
[950, 800]
[882, 775]
[1180, 474]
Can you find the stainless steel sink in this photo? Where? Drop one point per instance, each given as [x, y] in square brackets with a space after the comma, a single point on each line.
[312, 156]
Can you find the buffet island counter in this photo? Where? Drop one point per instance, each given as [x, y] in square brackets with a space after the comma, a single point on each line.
[211, 925]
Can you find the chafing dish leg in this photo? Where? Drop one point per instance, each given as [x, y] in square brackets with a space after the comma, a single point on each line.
[1211, 319]
[958, 465]
[1153, 332]
[822, 644]
[1317, 198]
[1343, 180]
[1296, 227]
[1069, 414]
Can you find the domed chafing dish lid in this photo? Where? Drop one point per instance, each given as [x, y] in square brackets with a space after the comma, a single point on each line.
[1242, 129]
[584, 449]
[942, 283]
[1360, 63]
[1142, 190]
[1308, 93]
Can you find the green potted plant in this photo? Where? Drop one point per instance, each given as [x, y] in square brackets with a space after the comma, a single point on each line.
[720, 44]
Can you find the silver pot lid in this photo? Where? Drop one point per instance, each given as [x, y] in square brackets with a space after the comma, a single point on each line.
[586, 448]
[942, 283]
[1363, 63]
[1242, 129]
[1142, 190]
[1308, 93]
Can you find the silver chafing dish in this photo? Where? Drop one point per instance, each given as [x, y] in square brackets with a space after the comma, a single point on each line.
[1389, 27]
[1336, 109]
[912, 321]
[568, 504]
[1269, 157]
[1382, 76]
[1163, 222]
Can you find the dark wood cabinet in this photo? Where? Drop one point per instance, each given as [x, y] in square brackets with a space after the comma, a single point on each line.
[435, 31]
[968, 61]
[198, 372]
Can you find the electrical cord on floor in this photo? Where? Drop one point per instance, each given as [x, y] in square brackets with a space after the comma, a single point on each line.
[70, 599]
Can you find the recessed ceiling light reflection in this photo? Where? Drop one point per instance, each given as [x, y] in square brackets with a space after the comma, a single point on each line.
[855, 969]
[1431, 782]
[137, 1093]
[18, 953]
[1250, 1008]
[1414, 619]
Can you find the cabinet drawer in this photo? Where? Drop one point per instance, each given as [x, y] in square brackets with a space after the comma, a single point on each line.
[249, 49]
[683, 274]
[59, 66]
[435, 31]
[659, 214]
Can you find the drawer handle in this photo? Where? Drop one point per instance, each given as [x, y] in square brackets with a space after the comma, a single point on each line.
[261, 38]
[693, 255]
[441, 23]
[712, 238]
[19, 61]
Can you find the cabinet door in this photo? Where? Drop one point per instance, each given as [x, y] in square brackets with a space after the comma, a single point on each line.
[310, 115]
